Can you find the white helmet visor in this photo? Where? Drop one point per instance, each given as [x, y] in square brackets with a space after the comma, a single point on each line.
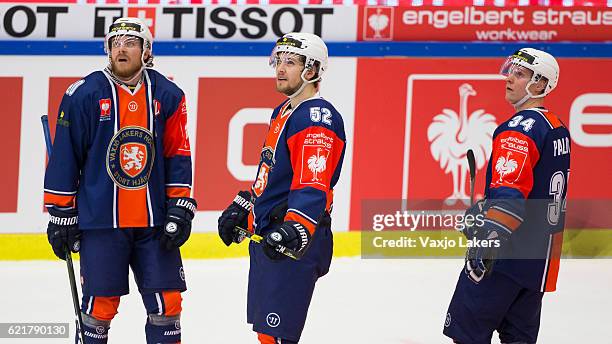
[126, 41]
[519, 58]
[285, 48]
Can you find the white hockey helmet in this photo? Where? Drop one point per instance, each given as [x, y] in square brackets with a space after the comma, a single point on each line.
[130, 26]
[541, 63]
[305, 44]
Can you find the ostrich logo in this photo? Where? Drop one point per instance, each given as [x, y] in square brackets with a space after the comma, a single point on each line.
[505, 166]
[378, 22]
[317, 164]
[452, 134]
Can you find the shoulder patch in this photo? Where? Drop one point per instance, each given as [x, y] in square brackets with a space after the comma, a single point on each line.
[72, 88]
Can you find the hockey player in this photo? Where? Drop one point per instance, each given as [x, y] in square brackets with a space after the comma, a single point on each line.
[118, 185]
[291, 199]
[516, 251]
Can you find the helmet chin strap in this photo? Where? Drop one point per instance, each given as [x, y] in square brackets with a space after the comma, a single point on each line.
[528, 95]
[522, 101]
[304, 83]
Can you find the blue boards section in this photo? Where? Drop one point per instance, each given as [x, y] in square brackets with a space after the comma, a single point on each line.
[354, 49]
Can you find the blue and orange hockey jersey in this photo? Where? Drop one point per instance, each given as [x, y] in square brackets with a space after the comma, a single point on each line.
[526, 186]
[119, 153]
[300, 163]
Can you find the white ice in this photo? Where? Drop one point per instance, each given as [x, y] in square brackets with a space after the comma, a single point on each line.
[358, 302]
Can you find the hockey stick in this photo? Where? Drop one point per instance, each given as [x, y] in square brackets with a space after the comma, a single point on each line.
[258, 239]
[472, 165]
[73, 288]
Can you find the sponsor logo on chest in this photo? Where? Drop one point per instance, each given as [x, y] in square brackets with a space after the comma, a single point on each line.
[105, 109]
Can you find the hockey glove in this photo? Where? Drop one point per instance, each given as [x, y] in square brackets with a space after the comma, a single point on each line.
[63, 231]
[177, 227]
[236, 214]
[473, 217]
[482, 253]
[290, 234]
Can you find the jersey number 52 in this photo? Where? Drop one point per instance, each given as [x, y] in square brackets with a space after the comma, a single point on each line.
[319, 114]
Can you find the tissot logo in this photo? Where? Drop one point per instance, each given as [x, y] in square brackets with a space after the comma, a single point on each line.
[249, 22]
[21, 21]
[221, 22]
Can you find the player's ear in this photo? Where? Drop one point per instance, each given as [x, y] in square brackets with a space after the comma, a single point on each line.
[541, 85]
[310, 74]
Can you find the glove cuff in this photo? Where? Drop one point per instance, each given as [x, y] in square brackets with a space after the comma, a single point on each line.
[63, 218]
[243, 200]
[301, 232]
[185, 203]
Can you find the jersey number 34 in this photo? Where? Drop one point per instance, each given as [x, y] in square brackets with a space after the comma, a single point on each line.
[558, 182]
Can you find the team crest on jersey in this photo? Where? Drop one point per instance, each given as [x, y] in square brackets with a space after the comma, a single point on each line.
[129, 159]
[132, 157]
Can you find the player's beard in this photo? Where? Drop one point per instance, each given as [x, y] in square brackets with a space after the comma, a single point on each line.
[288, 90]
[126, 71]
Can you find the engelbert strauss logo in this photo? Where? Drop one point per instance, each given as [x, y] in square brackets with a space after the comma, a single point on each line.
[451, 134]
[378, 23]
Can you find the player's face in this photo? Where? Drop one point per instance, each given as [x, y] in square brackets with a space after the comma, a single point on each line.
[518, 77]
[289, 69]
[126, 52]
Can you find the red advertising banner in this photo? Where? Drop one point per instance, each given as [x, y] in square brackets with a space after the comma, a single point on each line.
[405, 150]
[10, 87]
[223, 165]
[484, 23]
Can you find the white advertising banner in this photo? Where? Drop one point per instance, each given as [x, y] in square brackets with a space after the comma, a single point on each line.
[33, 21]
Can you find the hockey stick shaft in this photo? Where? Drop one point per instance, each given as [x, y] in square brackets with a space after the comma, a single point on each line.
[73, 288]
[258, 239]
[472, 165]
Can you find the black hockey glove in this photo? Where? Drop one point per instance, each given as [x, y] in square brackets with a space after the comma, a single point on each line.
[63, 231]
[482, 253]
[237, 214]
[290, 234]
[177, 227]
[473, 218]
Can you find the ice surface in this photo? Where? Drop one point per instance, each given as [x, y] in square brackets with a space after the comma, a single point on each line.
[358, 302]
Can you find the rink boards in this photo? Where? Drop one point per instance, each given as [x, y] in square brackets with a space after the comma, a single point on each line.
[388, 104]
